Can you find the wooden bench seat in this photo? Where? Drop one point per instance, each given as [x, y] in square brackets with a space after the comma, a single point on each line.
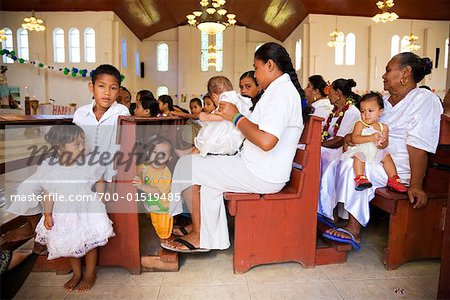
[281, 227]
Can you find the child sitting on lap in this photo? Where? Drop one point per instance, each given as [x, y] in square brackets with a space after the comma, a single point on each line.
[217, 135]
[371, 138]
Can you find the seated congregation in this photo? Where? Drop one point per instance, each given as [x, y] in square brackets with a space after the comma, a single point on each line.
[273, 149]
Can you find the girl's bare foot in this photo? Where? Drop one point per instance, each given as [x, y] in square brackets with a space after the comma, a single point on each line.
[86, 283]
[73, 282]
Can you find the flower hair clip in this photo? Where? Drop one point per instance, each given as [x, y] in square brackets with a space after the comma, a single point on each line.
[327, 89]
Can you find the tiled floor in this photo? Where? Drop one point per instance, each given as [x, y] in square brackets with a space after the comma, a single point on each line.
[210, 276]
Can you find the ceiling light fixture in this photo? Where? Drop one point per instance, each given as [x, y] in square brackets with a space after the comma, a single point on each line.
[336, 37]
[412, 39]
[33, 24]
[385, 15]
[211, 19]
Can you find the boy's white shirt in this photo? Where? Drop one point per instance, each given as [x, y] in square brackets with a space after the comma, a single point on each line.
[101, 133]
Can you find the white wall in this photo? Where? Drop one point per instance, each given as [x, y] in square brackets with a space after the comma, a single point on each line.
[373, 49]
[184, 75]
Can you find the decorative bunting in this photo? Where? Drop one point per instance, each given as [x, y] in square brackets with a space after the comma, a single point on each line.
[73, 71]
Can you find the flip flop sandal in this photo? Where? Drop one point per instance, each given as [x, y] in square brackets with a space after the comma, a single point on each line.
[191, 248]
[183, 231]
[350, 241]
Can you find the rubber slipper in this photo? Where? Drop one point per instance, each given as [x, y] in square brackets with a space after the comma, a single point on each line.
[183, 231]
[191, 248]
[350, 241]
[322, 219]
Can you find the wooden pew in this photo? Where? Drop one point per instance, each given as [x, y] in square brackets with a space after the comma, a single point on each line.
[418, 233]
[281, 227]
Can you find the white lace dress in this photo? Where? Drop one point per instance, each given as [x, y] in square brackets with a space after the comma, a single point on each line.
[80, 221]
[222, 137]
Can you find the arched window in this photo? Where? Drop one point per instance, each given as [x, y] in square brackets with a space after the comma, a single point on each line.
[298, 55]
[89, 45]
[162, 57]
[404, 44]
[8, 45]
[59, 54]
[350, 49]
[162, 90]
[204, 51]
[219, 52]
[257, 46]
[211, 54]
[339, 50]
[395, 45]
[446, 53]
[74, 45]
[124, 53]
[22, 44]
[138, 63]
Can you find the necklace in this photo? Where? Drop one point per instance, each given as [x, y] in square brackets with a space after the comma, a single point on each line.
[334, 113]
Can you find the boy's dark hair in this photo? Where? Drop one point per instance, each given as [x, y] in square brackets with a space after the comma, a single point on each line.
[166, 99]
[151, 104]
[106, 69]
[156, 140]
[196, 100]
[370, 95]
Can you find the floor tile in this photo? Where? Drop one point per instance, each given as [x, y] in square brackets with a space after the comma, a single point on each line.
[284, 273]
[46, 279]
[428, 283]
[37, 293]
[213, 268]
[117, 292]
[307, 290]
[216, 292]
[121, 277]
[381, 289]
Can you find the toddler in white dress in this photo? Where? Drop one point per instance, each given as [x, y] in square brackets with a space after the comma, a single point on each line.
[219, 136]
[371, 139]
[75, 221]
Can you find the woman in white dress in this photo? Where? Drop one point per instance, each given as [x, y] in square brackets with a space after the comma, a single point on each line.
[316, 96]
[262, 166]
[413, 117]
[340, 121]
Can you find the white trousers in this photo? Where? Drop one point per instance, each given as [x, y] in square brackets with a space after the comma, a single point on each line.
[215, 175]
[338, 186]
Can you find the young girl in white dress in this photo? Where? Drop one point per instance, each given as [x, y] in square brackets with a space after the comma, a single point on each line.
[75, 221]
[371, 139]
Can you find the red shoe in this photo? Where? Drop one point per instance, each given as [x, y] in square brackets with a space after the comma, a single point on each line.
[362, 183]
[394, 183]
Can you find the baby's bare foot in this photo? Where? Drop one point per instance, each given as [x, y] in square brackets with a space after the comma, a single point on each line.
[87, 283]
[73, 282]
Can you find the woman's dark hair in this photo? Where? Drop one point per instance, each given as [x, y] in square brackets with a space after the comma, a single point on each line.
[249, 74]
[147, 93]
[318, 83]
[62, 134]
[106, 69]
[151, 104]
[279, 55]
[371, 95]
[345, 86]
[196, 100]
[166, 99]
[420, 66]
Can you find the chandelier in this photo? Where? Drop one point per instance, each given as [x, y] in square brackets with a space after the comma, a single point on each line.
[412, 41]
[385, 15]
[211, 19]
[3, 36]
[33, 23]
[336, 37]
